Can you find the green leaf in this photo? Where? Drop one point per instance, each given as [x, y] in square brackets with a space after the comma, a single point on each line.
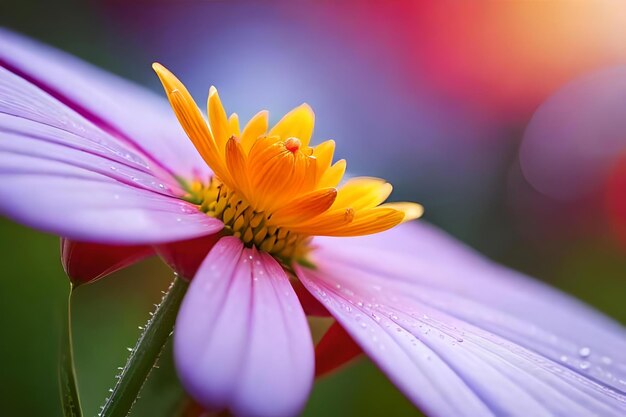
[145, 353]
[67, 375]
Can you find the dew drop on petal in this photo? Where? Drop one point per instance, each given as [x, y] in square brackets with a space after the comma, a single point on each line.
[584, 352]
[606, 360]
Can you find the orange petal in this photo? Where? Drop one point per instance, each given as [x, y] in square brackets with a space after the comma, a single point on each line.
[303, 208]
[237, 166]
[326, 223]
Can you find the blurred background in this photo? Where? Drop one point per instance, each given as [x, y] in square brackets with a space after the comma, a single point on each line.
[506, 120]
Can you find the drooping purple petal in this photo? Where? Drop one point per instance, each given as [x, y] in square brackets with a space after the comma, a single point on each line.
[461, 336]
[134, 115]
[62, 174]
[241, 340]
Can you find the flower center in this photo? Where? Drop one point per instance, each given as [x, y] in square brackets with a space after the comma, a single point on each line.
[243, 221]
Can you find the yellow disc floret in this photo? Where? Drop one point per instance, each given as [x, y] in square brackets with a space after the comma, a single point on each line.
[271, 188]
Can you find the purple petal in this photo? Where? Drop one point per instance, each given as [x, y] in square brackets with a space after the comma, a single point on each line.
[62, 174]
[136, 116]
[461, 336]
[242, 341]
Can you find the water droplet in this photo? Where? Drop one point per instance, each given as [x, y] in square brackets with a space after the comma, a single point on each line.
[606, 360]
[563, 358]
[584, 352]
[584, 365]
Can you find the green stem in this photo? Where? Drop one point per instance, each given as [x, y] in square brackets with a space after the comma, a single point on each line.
[145, 353]
[67, 375]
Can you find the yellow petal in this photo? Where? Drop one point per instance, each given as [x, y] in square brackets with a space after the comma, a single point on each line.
[411, 211]
[363, 192]
[333, 175]
[233, 125]
[298, 123]
[256, 127]
[324, 154]
[217, 119]
[190, 118]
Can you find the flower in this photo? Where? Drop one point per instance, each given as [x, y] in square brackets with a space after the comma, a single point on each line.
[458, 335]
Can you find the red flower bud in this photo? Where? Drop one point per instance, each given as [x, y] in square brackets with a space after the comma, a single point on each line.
[86, 262]
[334, 350]
[185, 256]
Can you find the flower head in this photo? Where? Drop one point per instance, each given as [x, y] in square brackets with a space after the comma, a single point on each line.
[272, 189]
[458, 335]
